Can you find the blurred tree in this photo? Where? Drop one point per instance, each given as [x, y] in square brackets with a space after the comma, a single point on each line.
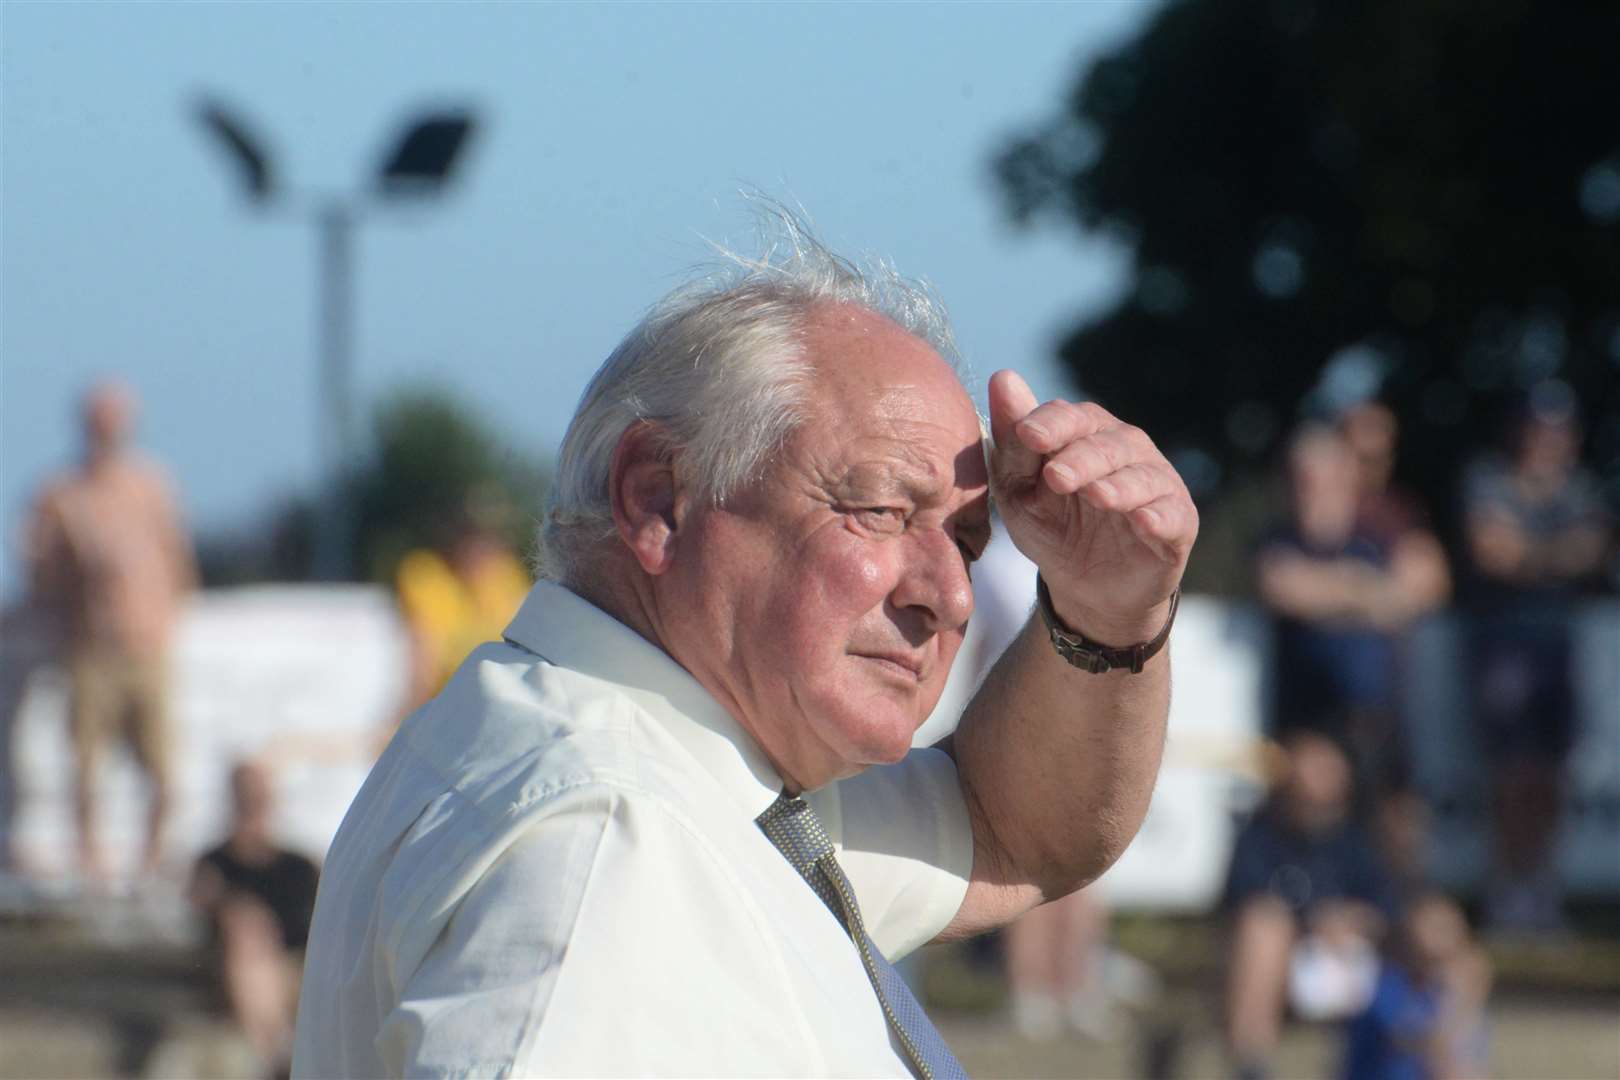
[1322, 199]
[432, 466]
[278, 547]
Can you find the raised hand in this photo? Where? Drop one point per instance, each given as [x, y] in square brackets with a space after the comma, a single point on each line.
[1093, 503]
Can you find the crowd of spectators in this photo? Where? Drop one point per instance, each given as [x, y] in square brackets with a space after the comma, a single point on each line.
[1329, 905]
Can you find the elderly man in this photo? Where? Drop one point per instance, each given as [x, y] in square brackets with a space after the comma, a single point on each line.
[671, 824]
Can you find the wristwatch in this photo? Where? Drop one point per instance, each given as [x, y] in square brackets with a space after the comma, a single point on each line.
[1090, 656]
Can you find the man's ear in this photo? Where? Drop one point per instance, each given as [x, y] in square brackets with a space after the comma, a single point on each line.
[646, 495]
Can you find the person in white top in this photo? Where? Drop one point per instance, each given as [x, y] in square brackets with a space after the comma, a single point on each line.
[756, 557]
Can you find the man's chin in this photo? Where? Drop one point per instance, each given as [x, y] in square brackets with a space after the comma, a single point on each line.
[887, 749]
[878, 732]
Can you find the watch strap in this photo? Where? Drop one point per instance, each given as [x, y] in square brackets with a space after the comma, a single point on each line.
[1087, 655]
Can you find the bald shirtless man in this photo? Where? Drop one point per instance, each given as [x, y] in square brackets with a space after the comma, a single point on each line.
[109, 557]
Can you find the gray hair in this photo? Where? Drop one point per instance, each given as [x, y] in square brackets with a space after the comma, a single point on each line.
[719, 363]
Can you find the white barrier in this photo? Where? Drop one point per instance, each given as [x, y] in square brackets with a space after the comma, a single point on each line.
[306, 675]
[311, 674]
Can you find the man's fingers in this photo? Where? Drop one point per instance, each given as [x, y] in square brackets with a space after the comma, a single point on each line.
[1056, 424]
[1011, 400]
[1083, 450]
[1126, 489]
[1088, 459]
[1168, 525]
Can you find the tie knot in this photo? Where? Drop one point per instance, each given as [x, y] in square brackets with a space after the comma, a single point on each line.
[792, 826]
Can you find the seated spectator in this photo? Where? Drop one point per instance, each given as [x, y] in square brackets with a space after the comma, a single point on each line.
[1307, 900]
[1426, 1019]
[258, 899]
[1536, 530]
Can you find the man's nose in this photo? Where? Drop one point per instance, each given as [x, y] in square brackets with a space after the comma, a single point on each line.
[934, 582]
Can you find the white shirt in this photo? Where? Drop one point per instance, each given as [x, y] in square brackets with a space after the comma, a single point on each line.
[554, 870]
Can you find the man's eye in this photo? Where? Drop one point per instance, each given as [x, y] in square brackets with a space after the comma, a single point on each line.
[886, 519]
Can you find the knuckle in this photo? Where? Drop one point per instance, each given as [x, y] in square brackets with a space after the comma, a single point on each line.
[1117, 452]
[1141, 440]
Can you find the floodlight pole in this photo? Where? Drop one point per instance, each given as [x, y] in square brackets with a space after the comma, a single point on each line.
[420, 164]
[334, 520]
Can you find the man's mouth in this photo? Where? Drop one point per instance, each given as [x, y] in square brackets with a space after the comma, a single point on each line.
[903, 665]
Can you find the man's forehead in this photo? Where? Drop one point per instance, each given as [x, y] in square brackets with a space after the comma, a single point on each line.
[920, 466]
[929, 436]
[863, 365]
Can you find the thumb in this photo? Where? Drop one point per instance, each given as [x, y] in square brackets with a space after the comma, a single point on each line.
[1011, 400]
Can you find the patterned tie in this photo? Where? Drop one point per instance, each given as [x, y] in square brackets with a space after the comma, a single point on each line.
[792, 826]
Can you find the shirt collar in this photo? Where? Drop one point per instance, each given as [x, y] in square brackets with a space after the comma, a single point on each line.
[571, 632]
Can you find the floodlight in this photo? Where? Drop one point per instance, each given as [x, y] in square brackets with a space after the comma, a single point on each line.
[426, 152]
[239, 143]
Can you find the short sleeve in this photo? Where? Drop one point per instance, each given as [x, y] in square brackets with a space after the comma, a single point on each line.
[906, 844]
[1250, 869]
[604, 941]
[480, 991]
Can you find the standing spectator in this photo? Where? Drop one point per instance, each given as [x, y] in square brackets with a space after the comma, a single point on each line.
[109, 557]
[1389, 514]
[258, 899]
[1396, 520]
[1536, 528]
[1338, 598]
[1056, 956]
[1307, 898]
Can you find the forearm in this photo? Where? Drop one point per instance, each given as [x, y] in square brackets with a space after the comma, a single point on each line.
[1305, 589]
[1421, 574]
[1576, 552]
[1057, 766]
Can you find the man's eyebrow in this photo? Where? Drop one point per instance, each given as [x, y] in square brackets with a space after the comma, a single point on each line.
[915, 481]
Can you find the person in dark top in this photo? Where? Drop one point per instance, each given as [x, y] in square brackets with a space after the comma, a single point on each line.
[1396, 519]
[1327, 585]
[258, 899]
[1303, 879]
[1537, 532]
[285, 885]
[1342, 585]
[1426, 1018]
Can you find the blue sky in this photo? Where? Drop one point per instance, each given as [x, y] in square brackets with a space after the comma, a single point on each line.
[614, 140]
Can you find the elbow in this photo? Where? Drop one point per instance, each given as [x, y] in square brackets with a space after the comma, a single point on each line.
[1115, 833]
[1088, 856]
